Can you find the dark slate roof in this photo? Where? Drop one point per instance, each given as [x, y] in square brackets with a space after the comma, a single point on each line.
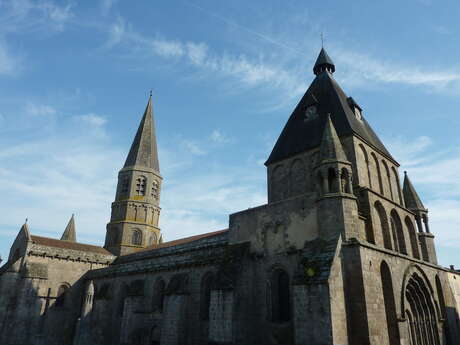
[299, 135]
[143, 150]
[52, 242]
[331, 148]
[323, 60]
[411, 198]
[171, 247]
[69, 232]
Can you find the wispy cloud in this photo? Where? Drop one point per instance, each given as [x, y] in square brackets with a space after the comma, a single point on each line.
[9, 63]
[193, 148]
[218, 137]
[431, 172]
[26, 15]
[282, 70]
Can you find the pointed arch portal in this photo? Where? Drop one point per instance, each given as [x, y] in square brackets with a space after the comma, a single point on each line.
[420, 310]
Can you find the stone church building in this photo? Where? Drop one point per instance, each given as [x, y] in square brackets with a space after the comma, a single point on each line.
[341, 254]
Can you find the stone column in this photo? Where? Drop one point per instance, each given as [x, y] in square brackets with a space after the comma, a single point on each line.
[173, 329]
[419, 223]
[221, 317]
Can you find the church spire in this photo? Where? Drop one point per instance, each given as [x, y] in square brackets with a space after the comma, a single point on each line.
[331, 148]
[69, 232]
[25, 230]
[136, 209]
[411, 198]
[143, 152]
[323, 63]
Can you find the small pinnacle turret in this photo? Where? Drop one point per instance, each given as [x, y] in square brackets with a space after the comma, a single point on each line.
[25, 230]
[143, 152]
[331, 148]
[323, 63]
[411, 198]
[69, 232]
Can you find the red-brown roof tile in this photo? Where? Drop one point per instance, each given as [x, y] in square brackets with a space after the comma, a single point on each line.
[51, 242]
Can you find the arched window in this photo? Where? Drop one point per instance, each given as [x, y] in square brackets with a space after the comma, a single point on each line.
[383, 222]
[123, 294]
[153, 239]
[379, 174]
[421, 312]
[205, 303]
[332, 181]
[390, 306]
[387, 171]
[345, 181]
[412, 237]
[154, 192]
[141, 182]
[369, 232]
[279, 183]
[442, 306]
[320, 182]
[136, 237]
[398, 195]
[61, 295]
[280, 296]
[125, 185]
[398, 230]
[298, 177]
[159, 295]
[366, 176]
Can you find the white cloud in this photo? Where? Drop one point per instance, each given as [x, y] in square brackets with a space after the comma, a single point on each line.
[166, 48]
[29, 15]
[107, 5]
[93, 119]
[9, 64]
[193, 148]
[218, 137]
[40, 109]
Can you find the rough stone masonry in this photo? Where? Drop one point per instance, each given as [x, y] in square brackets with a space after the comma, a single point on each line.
[341, 254]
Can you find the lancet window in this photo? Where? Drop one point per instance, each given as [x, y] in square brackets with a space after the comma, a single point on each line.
[141, 183]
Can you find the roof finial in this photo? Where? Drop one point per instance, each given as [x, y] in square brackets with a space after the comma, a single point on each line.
[322, 40]
[150, 92]
[27, 220]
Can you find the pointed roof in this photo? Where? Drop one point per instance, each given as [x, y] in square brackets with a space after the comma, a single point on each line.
[323, 62]
[25, 231]
[69, 232]
[143, 150]
[331, 148]
[300, 134]
[411, 198]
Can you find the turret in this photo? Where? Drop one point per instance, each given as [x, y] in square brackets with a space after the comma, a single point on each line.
[323, 63]
[337, 205]
[136, 209]
[19, 248]
[414, 203]
[69, 232]
[88, 300]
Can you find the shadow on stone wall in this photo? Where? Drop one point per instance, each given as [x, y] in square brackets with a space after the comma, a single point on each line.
[30, 311]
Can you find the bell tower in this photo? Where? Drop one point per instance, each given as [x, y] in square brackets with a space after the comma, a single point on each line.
[136, 209]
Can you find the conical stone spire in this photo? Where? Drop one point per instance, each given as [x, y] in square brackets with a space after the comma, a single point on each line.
[331, 148]
[411, 198]
[323, 63]
[69, 232]
[25, 230]
[143, 152]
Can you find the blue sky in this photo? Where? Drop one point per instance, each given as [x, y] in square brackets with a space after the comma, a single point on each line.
[75, 77]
